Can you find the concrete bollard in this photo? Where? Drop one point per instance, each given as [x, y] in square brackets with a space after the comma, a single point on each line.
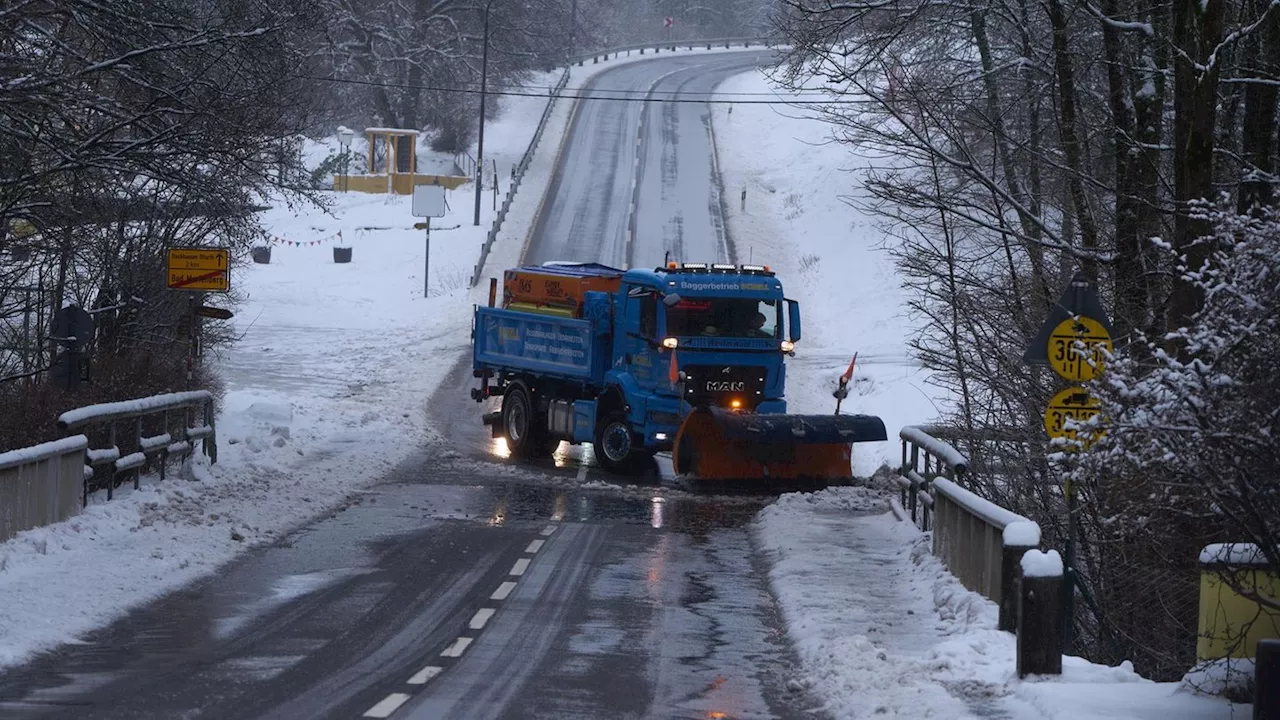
[1018, 538]
[1040, 614]
[1266, 680]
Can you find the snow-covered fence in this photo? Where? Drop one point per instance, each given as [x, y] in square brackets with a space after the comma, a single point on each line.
[517, 174]
[658, 45]
[980, 542]
[41, 485]
[185, 418]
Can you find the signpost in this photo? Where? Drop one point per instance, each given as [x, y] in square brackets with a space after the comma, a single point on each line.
[199, 269]
[428, 202]
[1074, 341]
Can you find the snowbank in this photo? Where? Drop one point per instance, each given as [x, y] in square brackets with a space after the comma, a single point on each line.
[797, 219]
[882, 630]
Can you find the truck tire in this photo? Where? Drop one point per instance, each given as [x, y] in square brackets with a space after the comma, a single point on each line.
[615, 446]
[526, 437]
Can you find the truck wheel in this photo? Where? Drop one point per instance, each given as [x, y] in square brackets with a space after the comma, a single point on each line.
[520, 421]
[614, 444]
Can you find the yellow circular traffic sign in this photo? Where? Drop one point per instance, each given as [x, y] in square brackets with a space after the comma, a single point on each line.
[1074, 403]
[1078, 362]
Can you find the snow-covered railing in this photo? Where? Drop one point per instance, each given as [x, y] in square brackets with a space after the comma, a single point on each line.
[161, 426]
[924, 456]
[980, 542]
[517, 174]
[41, 485]
[658, 45]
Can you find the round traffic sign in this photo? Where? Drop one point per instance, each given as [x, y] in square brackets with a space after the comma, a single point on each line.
[1074, 403]
[1073, 363]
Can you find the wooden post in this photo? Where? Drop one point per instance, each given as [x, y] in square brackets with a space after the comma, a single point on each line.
[1017, 538]
[111, 443]
[137, 472]
[164, 452]
[1266, 680]
[1039, 614]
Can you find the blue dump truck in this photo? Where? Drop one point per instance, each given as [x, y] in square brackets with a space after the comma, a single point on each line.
[685, 358]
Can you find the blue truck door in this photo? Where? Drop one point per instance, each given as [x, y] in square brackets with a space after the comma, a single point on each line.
[640, 339]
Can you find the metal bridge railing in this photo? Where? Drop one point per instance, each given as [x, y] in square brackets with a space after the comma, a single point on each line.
[659, 45]
[979, 542]
[132, 432]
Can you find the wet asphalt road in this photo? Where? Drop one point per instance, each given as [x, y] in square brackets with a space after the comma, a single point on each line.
[467, 586]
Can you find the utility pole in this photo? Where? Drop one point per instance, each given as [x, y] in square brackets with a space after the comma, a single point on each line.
[573, 27]
[484, 78]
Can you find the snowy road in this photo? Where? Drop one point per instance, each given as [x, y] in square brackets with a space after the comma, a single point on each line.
[636, 179]
[472, 593]
[463, 588]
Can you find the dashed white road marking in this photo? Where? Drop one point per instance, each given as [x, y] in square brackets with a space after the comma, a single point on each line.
[503, 591]
[521, 565]
[535, 546]
[425, 674]
[457, 648]
[386, 706]
[548, 530]
[481, 617]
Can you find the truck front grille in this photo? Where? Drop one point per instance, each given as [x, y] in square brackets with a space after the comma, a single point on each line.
[723, 386]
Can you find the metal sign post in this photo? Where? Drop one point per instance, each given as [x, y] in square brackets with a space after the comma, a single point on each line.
[1074, 341]
[428, 202]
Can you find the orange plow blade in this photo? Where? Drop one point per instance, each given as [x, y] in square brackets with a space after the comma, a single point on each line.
[717, 444]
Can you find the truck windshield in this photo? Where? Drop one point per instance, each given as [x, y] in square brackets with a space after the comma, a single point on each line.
[724, 317]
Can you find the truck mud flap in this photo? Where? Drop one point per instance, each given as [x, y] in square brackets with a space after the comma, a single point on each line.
[494, 421]
[722, 445]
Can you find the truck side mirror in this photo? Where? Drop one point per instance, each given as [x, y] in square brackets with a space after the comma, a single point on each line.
[793, 320]
[671, 300]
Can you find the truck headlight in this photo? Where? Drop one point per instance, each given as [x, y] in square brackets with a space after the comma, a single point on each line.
[787, 346]
[670, 343]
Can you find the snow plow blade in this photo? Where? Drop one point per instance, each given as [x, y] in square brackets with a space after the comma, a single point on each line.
[715, 444]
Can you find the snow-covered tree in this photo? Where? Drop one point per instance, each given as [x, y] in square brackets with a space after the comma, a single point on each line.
[1192, 441]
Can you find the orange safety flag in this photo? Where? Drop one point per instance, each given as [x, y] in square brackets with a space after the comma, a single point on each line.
[848, 374]
[673, 374]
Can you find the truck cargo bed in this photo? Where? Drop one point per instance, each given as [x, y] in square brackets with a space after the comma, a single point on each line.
[523, 342]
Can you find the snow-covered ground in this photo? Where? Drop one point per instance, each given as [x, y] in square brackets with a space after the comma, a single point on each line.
[798, 220]
[884, 631]
[325, 391]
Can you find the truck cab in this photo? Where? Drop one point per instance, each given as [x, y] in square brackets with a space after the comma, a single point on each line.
[655, 344]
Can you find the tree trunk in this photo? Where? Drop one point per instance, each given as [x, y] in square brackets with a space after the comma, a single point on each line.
[1130, 281]
[1258, 135]
[1070, 142]
[1195, 92]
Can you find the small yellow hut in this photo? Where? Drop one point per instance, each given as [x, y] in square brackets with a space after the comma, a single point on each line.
[393, 165]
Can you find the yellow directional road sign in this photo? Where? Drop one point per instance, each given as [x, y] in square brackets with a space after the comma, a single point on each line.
[200, 269]
[1074, 403]
[1072, 363]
